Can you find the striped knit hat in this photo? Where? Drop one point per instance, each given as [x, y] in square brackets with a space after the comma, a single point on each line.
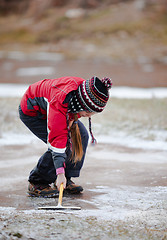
[92, 95]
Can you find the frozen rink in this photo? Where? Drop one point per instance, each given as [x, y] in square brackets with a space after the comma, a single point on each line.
[124, 175]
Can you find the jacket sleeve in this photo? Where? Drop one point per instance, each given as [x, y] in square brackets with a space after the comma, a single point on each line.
[57, 135]
[59, 161]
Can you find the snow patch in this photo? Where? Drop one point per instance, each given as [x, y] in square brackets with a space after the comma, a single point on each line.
[35, 71]
[138, 93]
[17, 90]
[21, 56]
[17, 139]
[131, 201]
[135, 142]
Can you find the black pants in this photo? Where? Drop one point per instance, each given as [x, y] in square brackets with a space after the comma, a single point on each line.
[45, 172]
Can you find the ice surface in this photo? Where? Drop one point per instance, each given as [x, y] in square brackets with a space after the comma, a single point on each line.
[17, 90]
[138, 93]
[35, 71]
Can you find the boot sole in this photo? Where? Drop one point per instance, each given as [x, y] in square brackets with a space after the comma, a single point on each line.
[43, 196]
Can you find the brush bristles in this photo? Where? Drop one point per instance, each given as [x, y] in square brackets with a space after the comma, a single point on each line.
[58, 208]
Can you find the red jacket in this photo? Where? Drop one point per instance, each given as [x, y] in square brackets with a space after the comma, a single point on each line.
[45, 99]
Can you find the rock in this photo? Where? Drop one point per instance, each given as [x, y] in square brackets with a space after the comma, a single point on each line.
[75, 13]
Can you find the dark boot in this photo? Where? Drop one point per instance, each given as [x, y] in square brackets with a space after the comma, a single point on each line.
[72, 188]
[42, 190]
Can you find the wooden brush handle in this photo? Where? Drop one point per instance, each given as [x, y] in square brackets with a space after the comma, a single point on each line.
[60, 194]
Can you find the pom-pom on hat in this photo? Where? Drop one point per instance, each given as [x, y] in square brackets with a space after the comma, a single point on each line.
[92, 95]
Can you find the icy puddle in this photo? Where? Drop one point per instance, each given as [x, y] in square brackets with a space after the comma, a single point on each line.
[106, 203]
[123, 202]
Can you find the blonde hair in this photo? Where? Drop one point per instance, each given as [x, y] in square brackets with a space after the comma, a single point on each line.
[77, 150]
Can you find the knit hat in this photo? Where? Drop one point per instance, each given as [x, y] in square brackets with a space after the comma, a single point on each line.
[91, 95]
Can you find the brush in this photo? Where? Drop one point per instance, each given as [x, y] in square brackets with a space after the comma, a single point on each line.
[59, 206]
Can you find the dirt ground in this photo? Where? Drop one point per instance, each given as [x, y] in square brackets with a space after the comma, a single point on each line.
[124, 188]
[124, 199]
[123, 74]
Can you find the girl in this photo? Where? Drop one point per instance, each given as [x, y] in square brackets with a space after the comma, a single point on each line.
[50, 109]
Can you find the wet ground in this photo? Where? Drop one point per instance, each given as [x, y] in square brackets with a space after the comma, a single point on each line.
[122, 199]
[125, 189]
[19, 67]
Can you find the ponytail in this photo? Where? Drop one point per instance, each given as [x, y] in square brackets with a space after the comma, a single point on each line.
[77, 150]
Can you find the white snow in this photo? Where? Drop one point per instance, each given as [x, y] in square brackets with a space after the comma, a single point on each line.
[17, 90]
[124, 156]
[138, 93]
[119, 138]
[131, 201]
[12, 90]
[21, 56]
[134, 142]
[35, 71]
[17, 139]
